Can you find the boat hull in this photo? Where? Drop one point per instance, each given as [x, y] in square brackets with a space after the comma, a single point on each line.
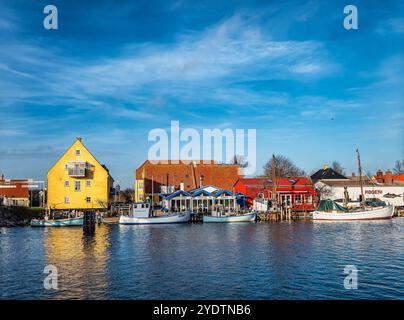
[249, 217]
[175, 218]
[57, 223]
[376, 214]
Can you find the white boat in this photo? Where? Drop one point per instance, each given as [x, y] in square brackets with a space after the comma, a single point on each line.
[368, 213]
[142, 214]
[247, 217]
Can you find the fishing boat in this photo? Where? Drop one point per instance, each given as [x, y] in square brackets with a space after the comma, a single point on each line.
[247, 217]
[330, 210]
[367, 209]
[57, 222]
[142, 213]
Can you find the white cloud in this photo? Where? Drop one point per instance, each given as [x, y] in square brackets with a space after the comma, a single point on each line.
[391, 26]
[233, 50]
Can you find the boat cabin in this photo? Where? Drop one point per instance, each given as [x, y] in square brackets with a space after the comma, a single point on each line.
[141, 209]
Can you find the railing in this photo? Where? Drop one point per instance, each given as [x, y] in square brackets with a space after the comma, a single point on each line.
[77, 172]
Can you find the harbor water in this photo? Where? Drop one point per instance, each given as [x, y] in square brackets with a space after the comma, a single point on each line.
[286, 260]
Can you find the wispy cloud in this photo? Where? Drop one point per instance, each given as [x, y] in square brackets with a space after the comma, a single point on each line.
[392, 25]
[211, 59]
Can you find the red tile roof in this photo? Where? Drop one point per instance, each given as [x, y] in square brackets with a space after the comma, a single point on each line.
[261, 182]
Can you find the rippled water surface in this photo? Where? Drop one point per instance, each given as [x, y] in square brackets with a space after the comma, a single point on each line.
[296, 260]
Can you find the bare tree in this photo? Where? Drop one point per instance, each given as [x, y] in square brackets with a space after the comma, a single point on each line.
[323, 191]
[284, 167]
[399, 167]
[240, 160]
[127, 195]
[337, 167]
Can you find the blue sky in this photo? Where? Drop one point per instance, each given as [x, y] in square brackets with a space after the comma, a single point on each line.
[114, 70]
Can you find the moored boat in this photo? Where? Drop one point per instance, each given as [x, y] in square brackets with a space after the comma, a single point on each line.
[142, 214]
[57, 222]
[330, 210]
[368, 209]
[247, 217]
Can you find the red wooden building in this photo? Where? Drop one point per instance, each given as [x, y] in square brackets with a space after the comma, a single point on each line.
[14, 192]
[296, 193]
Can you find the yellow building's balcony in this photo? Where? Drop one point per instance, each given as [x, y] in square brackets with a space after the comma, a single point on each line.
[78, 169]
[73, 172]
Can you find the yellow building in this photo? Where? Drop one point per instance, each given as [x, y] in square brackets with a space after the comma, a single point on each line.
[78, 181]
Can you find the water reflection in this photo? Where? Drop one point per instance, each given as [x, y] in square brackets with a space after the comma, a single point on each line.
[296, 260]
[81, 261]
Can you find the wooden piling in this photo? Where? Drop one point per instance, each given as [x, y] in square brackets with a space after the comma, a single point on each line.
[89, 220]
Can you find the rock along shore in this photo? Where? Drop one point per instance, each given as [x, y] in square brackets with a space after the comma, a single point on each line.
[19, 216]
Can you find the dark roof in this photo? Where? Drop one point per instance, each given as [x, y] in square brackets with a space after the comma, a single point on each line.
[327, 173]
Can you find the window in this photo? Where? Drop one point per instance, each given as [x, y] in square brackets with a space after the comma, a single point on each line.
[88, 199]
[67, 184]
[298, 199]
[88, 183]
[309, 200]
[67, 199]
[141, 185]
[77, 186]
[77, 152]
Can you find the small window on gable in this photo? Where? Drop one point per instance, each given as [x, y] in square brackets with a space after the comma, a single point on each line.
[67, 200]
[88, 199]
[67, 183]
[88, 183]
[78, 152]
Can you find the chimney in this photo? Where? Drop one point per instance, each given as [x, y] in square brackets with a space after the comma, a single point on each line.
[201, 181]
[353, 174]
[79, 138]
[325, 167]
[379, 176]
[2, 176]
[389, 178]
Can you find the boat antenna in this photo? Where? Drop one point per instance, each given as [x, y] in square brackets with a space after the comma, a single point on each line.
[360, 176]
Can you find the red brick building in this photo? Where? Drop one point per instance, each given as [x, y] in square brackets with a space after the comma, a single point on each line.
[168, 176]
[14, 192]
[296, 193]
[388, 178]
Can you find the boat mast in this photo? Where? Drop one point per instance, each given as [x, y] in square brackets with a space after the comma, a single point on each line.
[152, 191]
[273, 174]
[360, 175]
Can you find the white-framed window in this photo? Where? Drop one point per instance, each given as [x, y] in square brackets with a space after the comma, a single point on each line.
[66, 166]
[309, 199]
[88, 199]
[141, 185]
[67, 183]
[298, 199]
[67, 199]
[77, 185]
[78, 151]
[88, 183]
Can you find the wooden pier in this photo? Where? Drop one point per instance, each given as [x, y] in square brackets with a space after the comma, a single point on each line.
[284, 215]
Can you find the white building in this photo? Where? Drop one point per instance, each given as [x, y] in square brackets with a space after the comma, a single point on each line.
[334, 190]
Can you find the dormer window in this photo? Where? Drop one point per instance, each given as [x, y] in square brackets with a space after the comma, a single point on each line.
[77, 152]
